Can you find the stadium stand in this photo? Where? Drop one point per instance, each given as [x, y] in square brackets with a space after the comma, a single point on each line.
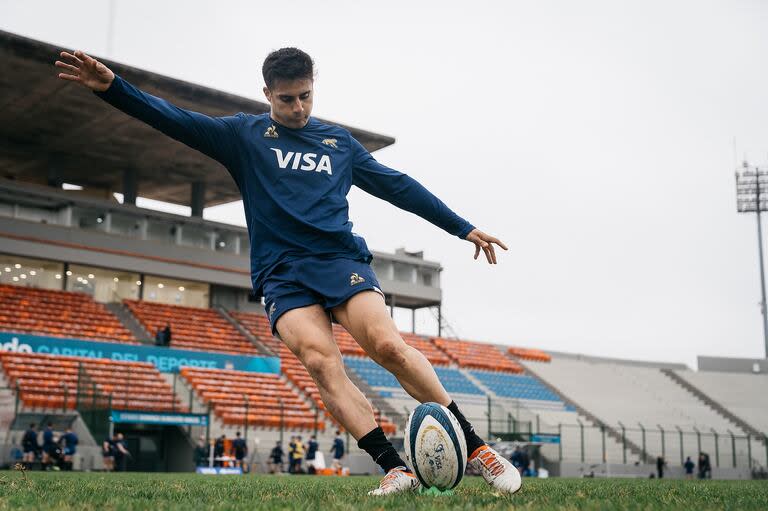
[743, 394]
[53, 382]
[635, 395]
[378, 377]
[477, 355]
[226, 390]
[58, 314]
[434, 354]
[192, 328]
[515, 386]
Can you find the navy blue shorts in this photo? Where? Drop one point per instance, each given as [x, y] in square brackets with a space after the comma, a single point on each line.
[314, 280]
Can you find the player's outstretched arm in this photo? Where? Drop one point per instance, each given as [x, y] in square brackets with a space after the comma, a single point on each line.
[213, 136]
[406, 193]
[485, 242]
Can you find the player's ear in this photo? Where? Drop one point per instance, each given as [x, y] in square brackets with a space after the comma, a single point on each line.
[268, 93]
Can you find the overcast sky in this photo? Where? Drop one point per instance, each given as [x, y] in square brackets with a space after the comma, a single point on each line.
[595, 137]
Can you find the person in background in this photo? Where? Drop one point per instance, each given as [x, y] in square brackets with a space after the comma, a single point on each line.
[298, 456]
[108, 454]
[660, 462]
[167, 335]
[218, 451]
[515, 459]
[241, 451]
[337, 450]
[291, 453]
[29, 447]
[525, 463]
[121, 453]
[276, 459]
[689, 466]
[311, 455]
[159, 337]
[49, 447]
[69, 443]
[200, 456]
[707, 467]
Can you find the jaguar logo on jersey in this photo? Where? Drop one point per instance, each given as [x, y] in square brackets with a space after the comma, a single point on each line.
[271, 132]
[330, 142]
[355, 279]
[303, 161]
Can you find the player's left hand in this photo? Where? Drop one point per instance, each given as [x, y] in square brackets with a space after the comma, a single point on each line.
[485, 242]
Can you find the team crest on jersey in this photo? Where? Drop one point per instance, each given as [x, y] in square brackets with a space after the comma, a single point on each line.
[330, 142]
[355, 279]
[271, 132]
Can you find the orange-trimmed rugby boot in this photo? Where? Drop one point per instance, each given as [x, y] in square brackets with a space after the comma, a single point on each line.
[397, 480]
[496, 469]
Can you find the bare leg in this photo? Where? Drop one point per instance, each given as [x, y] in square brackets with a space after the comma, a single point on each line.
[366, 318]
[306, 331]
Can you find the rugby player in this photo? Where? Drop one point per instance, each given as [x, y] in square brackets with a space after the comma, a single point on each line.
[294, 173]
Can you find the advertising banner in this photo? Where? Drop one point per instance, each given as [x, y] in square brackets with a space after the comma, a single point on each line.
[167, 360]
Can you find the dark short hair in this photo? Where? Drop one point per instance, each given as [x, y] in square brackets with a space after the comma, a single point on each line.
[287, 64]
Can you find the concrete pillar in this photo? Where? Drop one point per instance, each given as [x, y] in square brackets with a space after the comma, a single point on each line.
[197, 199]
[130, 186]
[143, 228]
[108, 222]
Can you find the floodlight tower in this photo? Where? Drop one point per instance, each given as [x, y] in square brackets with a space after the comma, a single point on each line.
[751, 181]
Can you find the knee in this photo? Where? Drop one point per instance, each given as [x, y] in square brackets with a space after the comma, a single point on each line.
[321, 367]
[389, 348]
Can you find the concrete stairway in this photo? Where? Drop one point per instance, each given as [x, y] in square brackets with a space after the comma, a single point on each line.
[129, 321]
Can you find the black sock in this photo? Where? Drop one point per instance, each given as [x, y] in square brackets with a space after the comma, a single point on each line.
[473, 441]
[375, 443]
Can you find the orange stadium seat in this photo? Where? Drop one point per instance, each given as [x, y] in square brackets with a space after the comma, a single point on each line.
[34, 311]
[53, 381]
[530, 354]
[226, 390]
[192, 328]
[477, 355]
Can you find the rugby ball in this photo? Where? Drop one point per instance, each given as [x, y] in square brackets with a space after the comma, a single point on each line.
[435, 447]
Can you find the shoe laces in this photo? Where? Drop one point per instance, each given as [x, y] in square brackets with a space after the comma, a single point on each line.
[491, 462]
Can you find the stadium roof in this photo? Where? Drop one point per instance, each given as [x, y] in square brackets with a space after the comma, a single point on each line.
[54, 132]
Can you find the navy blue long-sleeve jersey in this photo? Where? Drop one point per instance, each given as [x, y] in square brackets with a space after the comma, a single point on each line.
[294, 182]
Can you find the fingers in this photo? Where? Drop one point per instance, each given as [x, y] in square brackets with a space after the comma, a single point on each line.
[72, 69]
[477, 251]
[71, 78]
[85, 58]
[71, 58]
[500, 243]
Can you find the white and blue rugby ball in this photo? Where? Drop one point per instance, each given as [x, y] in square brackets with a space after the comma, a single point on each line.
[435, 447]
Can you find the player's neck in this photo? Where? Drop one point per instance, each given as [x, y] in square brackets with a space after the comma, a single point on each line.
[282, 125]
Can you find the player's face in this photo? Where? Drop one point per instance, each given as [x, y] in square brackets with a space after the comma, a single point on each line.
[291, 101]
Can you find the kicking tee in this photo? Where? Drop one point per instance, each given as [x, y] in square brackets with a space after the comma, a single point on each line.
[294, 182]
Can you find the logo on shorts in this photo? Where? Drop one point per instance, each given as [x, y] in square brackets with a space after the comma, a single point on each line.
[271, 132]
[330, 142]
[271, 310]
[355, 279]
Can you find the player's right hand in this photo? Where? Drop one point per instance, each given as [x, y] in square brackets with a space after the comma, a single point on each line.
[85, 70]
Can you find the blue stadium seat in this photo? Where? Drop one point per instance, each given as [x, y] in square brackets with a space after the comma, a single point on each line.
[376, 376]
[515, 386]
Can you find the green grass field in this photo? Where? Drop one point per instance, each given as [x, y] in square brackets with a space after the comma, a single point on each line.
[188, 491]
